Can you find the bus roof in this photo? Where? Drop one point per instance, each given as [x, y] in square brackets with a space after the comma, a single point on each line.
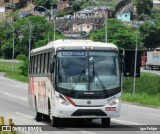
[73, 43]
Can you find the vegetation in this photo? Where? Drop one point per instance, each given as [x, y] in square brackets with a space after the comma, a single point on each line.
[144, 7]
[42, 33]
[46, 3]
[147, 90]
[7, 68]
[118, 33]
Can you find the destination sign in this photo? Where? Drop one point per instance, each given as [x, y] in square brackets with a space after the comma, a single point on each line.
[73, 53]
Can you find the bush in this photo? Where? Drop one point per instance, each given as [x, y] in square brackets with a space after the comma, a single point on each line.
[21, 57]
[24, 68]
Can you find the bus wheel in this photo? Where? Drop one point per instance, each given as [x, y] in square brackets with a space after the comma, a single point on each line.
[105, 122]
[46, 117]
[55, 121]
[38, 116]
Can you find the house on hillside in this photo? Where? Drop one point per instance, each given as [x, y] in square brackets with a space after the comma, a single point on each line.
[127, 13]
[94, 12]
[79, 26]
[64, 5]
[85, 26]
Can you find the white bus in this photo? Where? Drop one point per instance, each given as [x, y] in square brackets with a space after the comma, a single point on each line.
[75, 79]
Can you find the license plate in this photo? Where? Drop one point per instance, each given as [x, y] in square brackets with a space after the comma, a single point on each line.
[110, 108]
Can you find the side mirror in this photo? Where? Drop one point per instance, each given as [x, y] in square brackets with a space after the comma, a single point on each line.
[52, 65]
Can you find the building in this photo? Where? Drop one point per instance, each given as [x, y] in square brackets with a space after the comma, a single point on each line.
[94, 12]
[127, 13]
[79, 26]
[64, 5]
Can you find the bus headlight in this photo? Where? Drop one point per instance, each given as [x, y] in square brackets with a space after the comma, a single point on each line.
[115, 101]
[62, 101]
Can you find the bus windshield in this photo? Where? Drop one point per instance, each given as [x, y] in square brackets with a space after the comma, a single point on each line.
[88, 70]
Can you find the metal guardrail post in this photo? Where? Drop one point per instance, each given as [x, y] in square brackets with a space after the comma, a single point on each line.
[1, 120]
[10, 122]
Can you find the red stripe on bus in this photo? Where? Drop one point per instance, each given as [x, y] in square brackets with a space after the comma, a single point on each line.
[70, 100]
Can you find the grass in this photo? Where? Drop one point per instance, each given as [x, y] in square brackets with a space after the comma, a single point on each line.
[142, 98]
[7, 68]
[147, 83]
[147, 90]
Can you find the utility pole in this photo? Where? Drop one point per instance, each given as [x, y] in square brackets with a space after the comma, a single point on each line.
[106, 21]
[30, 35]
[53, 17]
[13, 44]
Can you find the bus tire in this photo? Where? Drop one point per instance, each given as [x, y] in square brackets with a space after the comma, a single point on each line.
[38, 116]
[54, 121]
[47, 117]
[105, 122]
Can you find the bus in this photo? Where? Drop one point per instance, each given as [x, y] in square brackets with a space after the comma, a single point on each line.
[75, 79]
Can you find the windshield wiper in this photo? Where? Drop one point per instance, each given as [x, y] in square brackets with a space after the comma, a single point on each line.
[81, 73]
[100, 81]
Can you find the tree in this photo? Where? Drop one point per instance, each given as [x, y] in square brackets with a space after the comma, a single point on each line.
[46, 3]
[150, 31]
[118, 33]
[76, 6]
[143, 7]
[42, 33]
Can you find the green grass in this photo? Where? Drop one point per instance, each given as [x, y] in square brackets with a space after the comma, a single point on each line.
[7, 68]
[142, 98]
[147, 90]
[147, 83]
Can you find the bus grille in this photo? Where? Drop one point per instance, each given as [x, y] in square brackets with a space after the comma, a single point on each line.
[89, 112]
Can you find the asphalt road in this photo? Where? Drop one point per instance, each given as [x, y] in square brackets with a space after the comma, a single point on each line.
[14, 104]
[157, 72]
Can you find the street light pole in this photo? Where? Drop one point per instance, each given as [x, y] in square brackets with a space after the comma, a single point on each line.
[53, 17]
[135, 66]
[106, 19]
[30, 34]
[13, 45]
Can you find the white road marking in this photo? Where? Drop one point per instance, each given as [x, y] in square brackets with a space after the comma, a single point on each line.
[128, 122]
[24, 115]
[87, 132]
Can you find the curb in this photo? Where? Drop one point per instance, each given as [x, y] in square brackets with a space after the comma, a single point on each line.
[138, 104]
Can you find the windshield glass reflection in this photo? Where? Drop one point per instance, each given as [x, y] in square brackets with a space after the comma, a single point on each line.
[88, 71]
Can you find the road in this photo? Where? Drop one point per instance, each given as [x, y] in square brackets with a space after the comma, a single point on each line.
[14, 104]
[157, 72]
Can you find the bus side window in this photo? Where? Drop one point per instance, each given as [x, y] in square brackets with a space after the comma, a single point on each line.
[36, 64]
[48, 62]
[40, 62]
[44, 62]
